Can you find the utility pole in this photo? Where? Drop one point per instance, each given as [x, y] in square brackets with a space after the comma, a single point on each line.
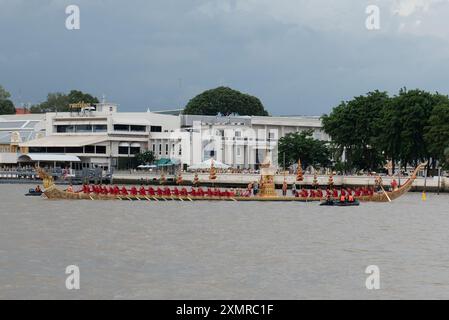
[439, 180]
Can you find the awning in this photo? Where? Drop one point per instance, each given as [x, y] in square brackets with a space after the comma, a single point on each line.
[48, 157]
[64, 141]
[164, 162]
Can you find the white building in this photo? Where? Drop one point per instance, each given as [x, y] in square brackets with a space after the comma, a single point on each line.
[100, 136]
[240, 141]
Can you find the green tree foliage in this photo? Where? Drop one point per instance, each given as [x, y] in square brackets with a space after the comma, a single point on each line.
[409, 127]
[302, 145]
[4, 94]
[225, 101]
[145, 157]
[413, 108]
[59, 102]
[437, 133]
[405, 122]
[354, 126]
[6, 105]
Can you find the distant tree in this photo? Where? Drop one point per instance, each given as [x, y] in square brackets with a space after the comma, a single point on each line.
[225, 101]
[4, 94]
[6, 105]
[145, 157]
[437, 133]
[76, 96]
[404, 123]
[354, 126]
[59, 102]
[302, 145]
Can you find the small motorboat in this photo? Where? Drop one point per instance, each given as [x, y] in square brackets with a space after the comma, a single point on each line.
[337, 203]
[33, 193]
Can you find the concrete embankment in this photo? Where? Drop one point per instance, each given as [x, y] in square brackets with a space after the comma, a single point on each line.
[431, 184]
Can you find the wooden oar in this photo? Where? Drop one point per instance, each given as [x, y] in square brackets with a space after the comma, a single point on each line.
[147, 198]
[156, 199]
[382, 187]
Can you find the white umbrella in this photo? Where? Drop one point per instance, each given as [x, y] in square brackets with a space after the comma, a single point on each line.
[207, 164]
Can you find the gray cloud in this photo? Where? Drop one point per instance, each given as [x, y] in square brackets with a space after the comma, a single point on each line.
[298, 56]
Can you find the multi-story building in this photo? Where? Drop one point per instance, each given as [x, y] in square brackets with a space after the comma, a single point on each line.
[100, 136]
[241, 141]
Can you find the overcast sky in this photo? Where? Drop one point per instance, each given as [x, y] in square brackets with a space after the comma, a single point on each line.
[300, 57]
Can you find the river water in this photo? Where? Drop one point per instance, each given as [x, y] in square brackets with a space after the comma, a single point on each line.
[201, 250]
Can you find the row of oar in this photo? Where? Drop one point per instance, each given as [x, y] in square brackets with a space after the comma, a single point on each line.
[145, 198]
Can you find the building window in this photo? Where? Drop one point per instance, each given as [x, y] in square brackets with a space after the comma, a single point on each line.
[100, 149]
[154, 148]
[100, 128]
[65, 129]
[83, 128]
[166, 148]
[238, 134]
[37, 150]
[138, 128]
[121, 127]
[239, 151]
[55, 149]
[89, 149]
[74, 150]
[123, 150]
[160, 149]
[180, 150]
[134, 150]
[155, 129]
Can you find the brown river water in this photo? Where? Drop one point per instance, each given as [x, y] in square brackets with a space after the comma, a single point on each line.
[222, 250]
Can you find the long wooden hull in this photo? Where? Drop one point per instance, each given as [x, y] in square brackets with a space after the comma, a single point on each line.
[52, 192]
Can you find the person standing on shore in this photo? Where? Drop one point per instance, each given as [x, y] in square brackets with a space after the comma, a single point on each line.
[284, 188]
[294, 189]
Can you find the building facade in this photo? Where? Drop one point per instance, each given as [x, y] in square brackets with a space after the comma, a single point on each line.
[100, 136]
